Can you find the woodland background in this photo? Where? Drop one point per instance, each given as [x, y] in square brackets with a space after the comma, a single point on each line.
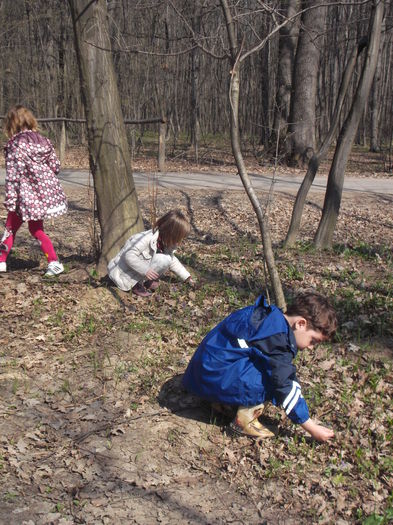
[170, 60]
[94, 424]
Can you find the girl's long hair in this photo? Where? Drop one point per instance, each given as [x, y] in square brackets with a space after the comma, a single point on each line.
[18, 119]
[173, 227]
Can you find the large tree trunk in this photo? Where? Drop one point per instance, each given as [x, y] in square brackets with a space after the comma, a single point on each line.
[234, 94]
[324, 236]
[305, 81]
[376, 102]
[286, 57]
[316, 159]
[195, 70]
[110, 163]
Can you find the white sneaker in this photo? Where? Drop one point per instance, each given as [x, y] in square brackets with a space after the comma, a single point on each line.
[3, 266]
[54, 268]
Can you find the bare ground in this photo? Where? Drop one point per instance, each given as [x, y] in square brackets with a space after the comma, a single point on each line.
[95, 426]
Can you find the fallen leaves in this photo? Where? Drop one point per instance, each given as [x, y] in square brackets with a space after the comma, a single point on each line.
[92, 406]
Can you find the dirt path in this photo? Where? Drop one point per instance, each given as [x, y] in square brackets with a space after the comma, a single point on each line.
[281, 183]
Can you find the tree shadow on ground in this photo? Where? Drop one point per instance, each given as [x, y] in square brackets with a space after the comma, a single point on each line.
[73, 206]
[179, 401]
[16, 263]
[111, 477]
[80, 260]
[203, 237]
[207, 274]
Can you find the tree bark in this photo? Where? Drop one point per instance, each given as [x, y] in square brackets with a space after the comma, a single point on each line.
[375, 103]
[286, 57]
[317, 158]
[195, 70]
[110, 163]
[324, 235]
[303, 102]
[234, 94]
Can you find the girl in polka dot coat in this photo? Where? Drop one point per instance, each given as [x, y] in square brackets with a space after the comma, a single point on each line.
[33, 191]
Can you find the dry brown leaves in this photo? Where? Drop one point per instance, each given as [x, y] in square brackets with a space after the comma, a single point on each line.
[95, 426]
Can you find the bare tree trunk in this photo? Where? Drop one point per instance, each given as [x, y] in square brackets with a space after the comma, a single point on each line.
[195, 69]
[234, 93]
[376, 102]
[324, 235]
[286, 57]
[265, 92]
[316, 159]
[305, 81]
[110, 163]
[60, 103]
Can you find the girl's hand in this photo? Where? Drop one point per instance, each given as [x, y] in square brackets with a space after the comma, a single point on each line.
[151, 275]
[318, 432]
[190, 281]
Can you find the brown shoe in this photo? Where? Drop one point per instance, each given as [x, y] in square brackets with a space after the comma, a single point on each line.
[246, 423]
[140, 290]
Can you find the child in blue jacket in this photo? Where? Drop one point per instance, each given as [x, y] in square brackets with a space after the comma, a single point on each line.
[246, 360]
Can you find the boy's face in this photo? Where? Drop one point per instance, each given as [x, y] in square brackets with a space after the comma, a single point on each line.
[306, 337]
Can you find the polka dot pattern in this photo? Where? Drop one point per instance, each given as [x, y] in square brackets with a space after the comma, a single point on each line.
[32, 187]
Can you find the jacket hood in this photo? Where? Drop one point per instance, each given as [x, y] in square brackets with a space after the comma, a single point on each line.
[35, 146]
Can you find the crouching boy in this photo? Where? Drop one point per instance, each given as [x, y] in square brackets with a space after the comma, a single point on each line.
[247, 360]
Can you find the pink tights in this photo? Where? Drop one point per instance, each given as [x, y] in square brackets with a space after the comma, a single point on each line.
[36, 228]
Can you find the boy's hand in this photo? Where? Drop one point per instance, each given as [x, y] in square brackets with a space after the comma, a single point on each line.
[151, 275]
[318, 431]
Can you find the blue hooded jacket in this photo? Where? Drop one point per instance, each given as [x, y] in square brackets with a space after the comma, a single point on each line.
[247, 360]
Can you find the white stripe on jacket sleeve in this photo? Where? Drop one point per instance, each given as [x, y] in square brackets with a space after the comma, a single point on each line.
[294, 401]
[293, 396]
[289, 397]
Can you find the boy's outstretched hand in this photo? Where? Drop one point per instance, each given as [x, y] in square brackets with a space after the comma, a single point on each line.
[318, 431]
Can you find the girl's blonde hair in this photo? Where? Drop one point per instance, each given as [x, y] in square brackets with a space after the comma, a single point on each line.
[18, 119]
[173, 227]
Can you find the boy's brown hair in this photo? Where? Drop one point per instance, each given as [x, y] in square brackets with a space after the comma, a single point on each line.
[18, 119]
[317, 311]
[173, 227]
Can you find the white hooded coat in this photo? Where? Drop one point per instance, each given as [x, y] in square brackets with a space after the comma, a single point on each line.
[138, 255]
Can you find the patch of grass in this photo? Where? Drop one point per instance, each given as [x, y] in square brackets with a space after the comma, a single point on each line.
[365, 464]
[11, 496]
[363, 250]
[15, 385]
[57, 318]
[37, 307]
[378, 519]
[304, 247]
[294, 272]
[139, 325]
[87, 325]
[59, 507]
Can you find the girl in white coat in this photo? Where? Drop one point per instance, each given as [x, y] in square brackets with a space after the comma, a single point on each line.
[149, 254]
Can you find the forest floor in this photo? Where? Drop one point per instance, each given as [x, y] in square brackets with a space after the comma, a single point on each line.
[95, 426]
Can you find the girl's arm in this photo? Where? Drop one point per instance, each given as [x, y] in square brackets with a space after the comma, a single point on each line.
[14, 166]
[177, 268]
[52, 161]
